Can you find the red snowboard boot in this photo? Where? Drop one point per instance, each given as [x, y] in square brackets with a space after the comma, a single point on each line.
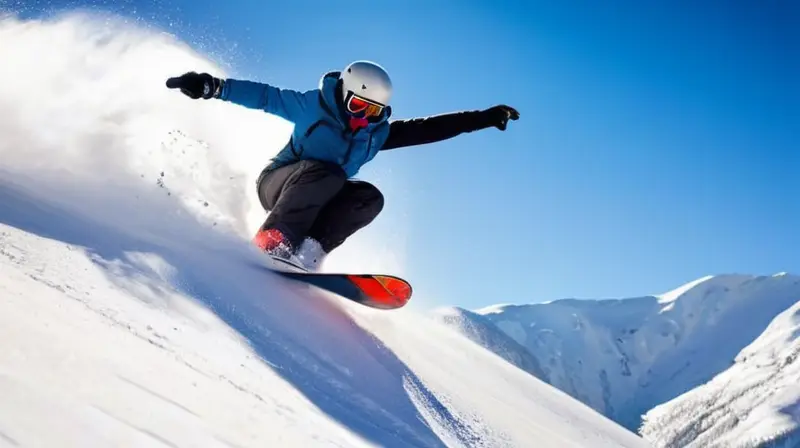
[273, 242]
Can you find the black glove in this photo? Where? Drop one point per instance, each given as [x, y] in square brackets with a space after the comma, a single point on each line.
[498, 116]
[196, 85]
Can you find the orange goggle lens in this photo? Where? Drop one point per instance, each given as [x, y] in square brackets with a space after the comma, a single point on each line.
[357, 105]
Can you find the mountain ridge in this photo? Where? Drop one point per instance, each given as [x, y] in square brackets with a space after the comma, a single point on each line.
[624, 356]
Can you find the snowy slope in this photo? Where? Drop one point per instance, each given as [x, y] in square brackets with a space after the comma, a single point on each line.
[756, 402]
[133, 311]
[623, 357]
[108, 338]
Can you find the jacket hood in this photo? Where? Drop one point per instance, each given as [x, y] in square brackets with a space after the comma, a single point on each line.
[330, 75]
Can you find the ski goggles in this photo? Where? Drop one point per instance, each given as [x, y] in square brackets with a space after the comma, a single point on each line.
[356, 105]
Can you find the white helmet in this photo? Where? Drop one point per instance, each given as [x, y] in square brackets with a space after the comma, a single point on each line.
[367, 80]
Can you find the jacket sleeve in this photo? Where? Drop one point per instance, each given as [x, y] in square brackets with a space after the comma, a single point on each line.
[287, 104]
[419, 131]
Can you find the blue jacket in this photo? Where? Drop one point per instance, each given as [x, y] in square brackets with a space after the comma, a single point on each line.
[321, 130]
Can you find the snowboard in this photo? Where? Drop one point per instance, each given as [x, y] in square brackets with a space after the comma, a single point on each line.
[385, 292]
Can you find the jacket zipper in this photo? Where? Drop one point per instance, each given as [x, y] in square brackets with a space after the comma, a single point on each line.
[349, 147]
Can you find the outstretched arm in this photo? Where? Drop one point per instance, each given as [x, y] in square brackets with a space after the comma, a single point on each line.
[287, 104]
[420, 131]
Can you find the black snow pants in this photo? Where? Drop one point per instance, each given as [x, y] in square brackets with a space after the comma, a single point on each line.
[315, 199]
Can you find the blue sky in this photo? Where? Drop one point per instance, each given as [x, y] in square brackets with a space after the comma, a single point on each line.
[658, 141]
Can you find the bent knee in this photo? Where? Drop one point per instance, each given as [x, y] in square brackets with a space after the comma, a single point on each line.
[369, 195]
[375, 202]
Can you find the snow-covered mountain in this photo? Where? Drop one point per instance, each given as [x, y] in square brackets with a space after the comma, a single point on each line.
[132, 308]
[481, 331]
[624, 357]
[755, 402]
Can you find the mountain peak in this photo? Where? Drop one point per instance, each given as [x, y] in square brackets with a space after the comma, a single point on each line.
[673, 295]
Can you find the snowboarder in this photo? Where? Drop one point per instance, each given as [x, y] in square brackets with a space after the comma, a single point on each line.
[314, 203]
